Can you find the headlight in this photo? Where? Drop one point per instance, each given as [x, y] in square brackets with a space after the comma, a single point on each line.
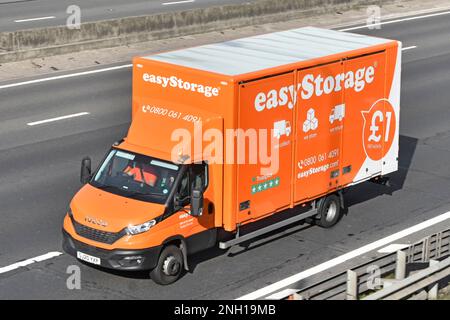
[131, 230]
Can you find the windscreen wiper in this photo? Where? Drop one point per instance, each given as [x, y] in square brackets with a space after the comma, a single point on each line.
[106, 187]
[145, 194]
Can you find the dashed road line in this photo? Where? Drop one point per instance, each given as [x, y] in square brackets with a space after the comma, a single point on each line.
[35, 19]
[177, 2]
[65, 76]
[58, 118]
[27, 262]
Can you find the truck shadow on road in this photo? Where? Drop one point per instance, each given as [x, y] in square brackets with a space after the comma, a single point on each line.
[367, 191]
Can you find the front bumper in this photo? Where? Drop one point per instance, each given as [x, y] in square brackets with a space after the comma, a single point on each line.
[114, 259]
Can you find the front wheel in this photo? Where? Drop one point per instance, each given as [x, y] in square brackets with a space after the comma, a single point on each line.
[169, 267]
[329, 211]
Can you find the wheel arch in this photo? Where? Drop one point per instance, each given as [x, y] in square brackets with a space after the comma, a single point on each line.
[180, 242]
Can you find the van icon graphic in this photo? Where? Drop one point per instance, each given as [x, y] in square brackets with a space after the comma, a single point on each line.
[337, 113]
[282, 127]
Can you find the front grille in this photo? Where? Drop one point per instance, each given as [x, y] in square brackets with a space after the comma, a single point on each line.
[97, 235]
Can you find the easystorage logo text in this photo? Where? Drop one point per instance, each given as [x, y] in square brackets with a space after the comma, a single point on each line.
[175, 82]
[314, 85]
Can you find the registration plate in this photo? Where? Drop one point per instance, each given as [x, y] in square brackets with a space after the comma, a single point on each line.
[88, 258]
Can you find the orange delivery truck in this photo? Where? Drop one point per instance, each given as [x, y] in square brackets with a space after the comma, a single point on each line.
[321, 107]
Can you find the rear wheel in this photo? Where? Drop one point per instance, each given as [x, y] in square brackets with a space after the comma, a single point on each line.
[329, 211]
[169, 267]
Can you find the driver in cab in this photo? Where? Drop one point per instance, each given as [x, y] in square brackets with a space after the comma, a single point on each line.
[141, 173]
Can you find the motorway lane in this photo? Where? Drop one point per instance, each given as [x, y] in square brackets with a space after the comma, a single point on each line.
[42, 161]
[107, 96]
[91, 10]
[37, 183]
[41, 165]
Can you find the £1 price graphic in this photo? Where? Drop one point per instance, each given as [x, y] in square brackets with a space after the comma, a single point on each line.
[379, 129]
[378, 116]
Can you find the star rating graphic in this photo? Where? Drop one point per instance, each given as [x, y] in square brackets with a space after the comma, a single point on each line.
[266, 185]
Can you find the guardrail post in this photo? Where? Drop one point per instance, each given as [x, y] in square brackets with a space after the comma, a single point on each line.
[400, 266]
[425, 250]
[352, 285]
[434, 290]
[438, 250]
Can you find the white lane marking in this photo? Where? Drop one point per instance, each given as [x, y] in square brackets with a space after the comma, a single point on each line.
[58, 118]
[408, 48]
[396, 21]
[282, 284]
[177, 2]
[71, 75]
[35, 19]
[27, 262]
[393, 248]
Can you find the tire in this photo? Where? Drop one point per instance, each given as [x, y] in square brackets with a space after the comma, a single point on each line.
[329, 212]
[169, 267]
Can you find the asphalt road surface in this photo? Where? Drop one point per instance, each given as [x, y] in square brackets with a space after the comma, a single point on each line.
[40, 173]
[26, 14]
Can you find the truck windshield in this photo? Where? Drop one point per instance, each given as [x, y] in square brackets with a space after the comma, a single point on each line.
[136, 176]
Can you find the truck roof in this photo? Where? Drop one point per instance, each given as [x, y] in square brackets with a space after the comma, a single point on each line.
[266, 51]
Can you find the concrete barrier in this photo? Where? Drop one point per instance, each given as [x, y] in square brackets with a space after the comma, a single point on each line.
[39, 42]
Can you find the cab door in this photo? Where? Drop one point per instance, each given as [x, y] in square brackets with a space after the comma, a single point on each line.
[198, 231]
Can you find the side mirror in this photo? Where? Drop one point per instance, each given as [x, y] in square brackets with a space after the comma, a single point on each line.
[196, 202]
[86, 173]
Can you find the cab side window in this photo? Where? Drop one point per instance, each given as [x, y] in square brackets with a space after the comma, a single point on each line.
[195, 177]
[183, 188]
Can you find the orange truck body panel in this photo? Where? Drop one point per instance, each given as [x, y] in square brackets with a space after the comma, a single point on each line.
[335, 120]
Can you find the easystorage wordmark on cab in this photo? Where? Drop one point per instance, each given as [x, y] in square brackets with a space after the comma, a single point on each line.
[175, 82]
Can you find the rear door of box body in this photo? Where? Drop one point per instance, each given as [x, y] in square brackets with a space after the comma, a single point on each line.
[344, 124]
[266, 110]
[319, 131]
[369, 123]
